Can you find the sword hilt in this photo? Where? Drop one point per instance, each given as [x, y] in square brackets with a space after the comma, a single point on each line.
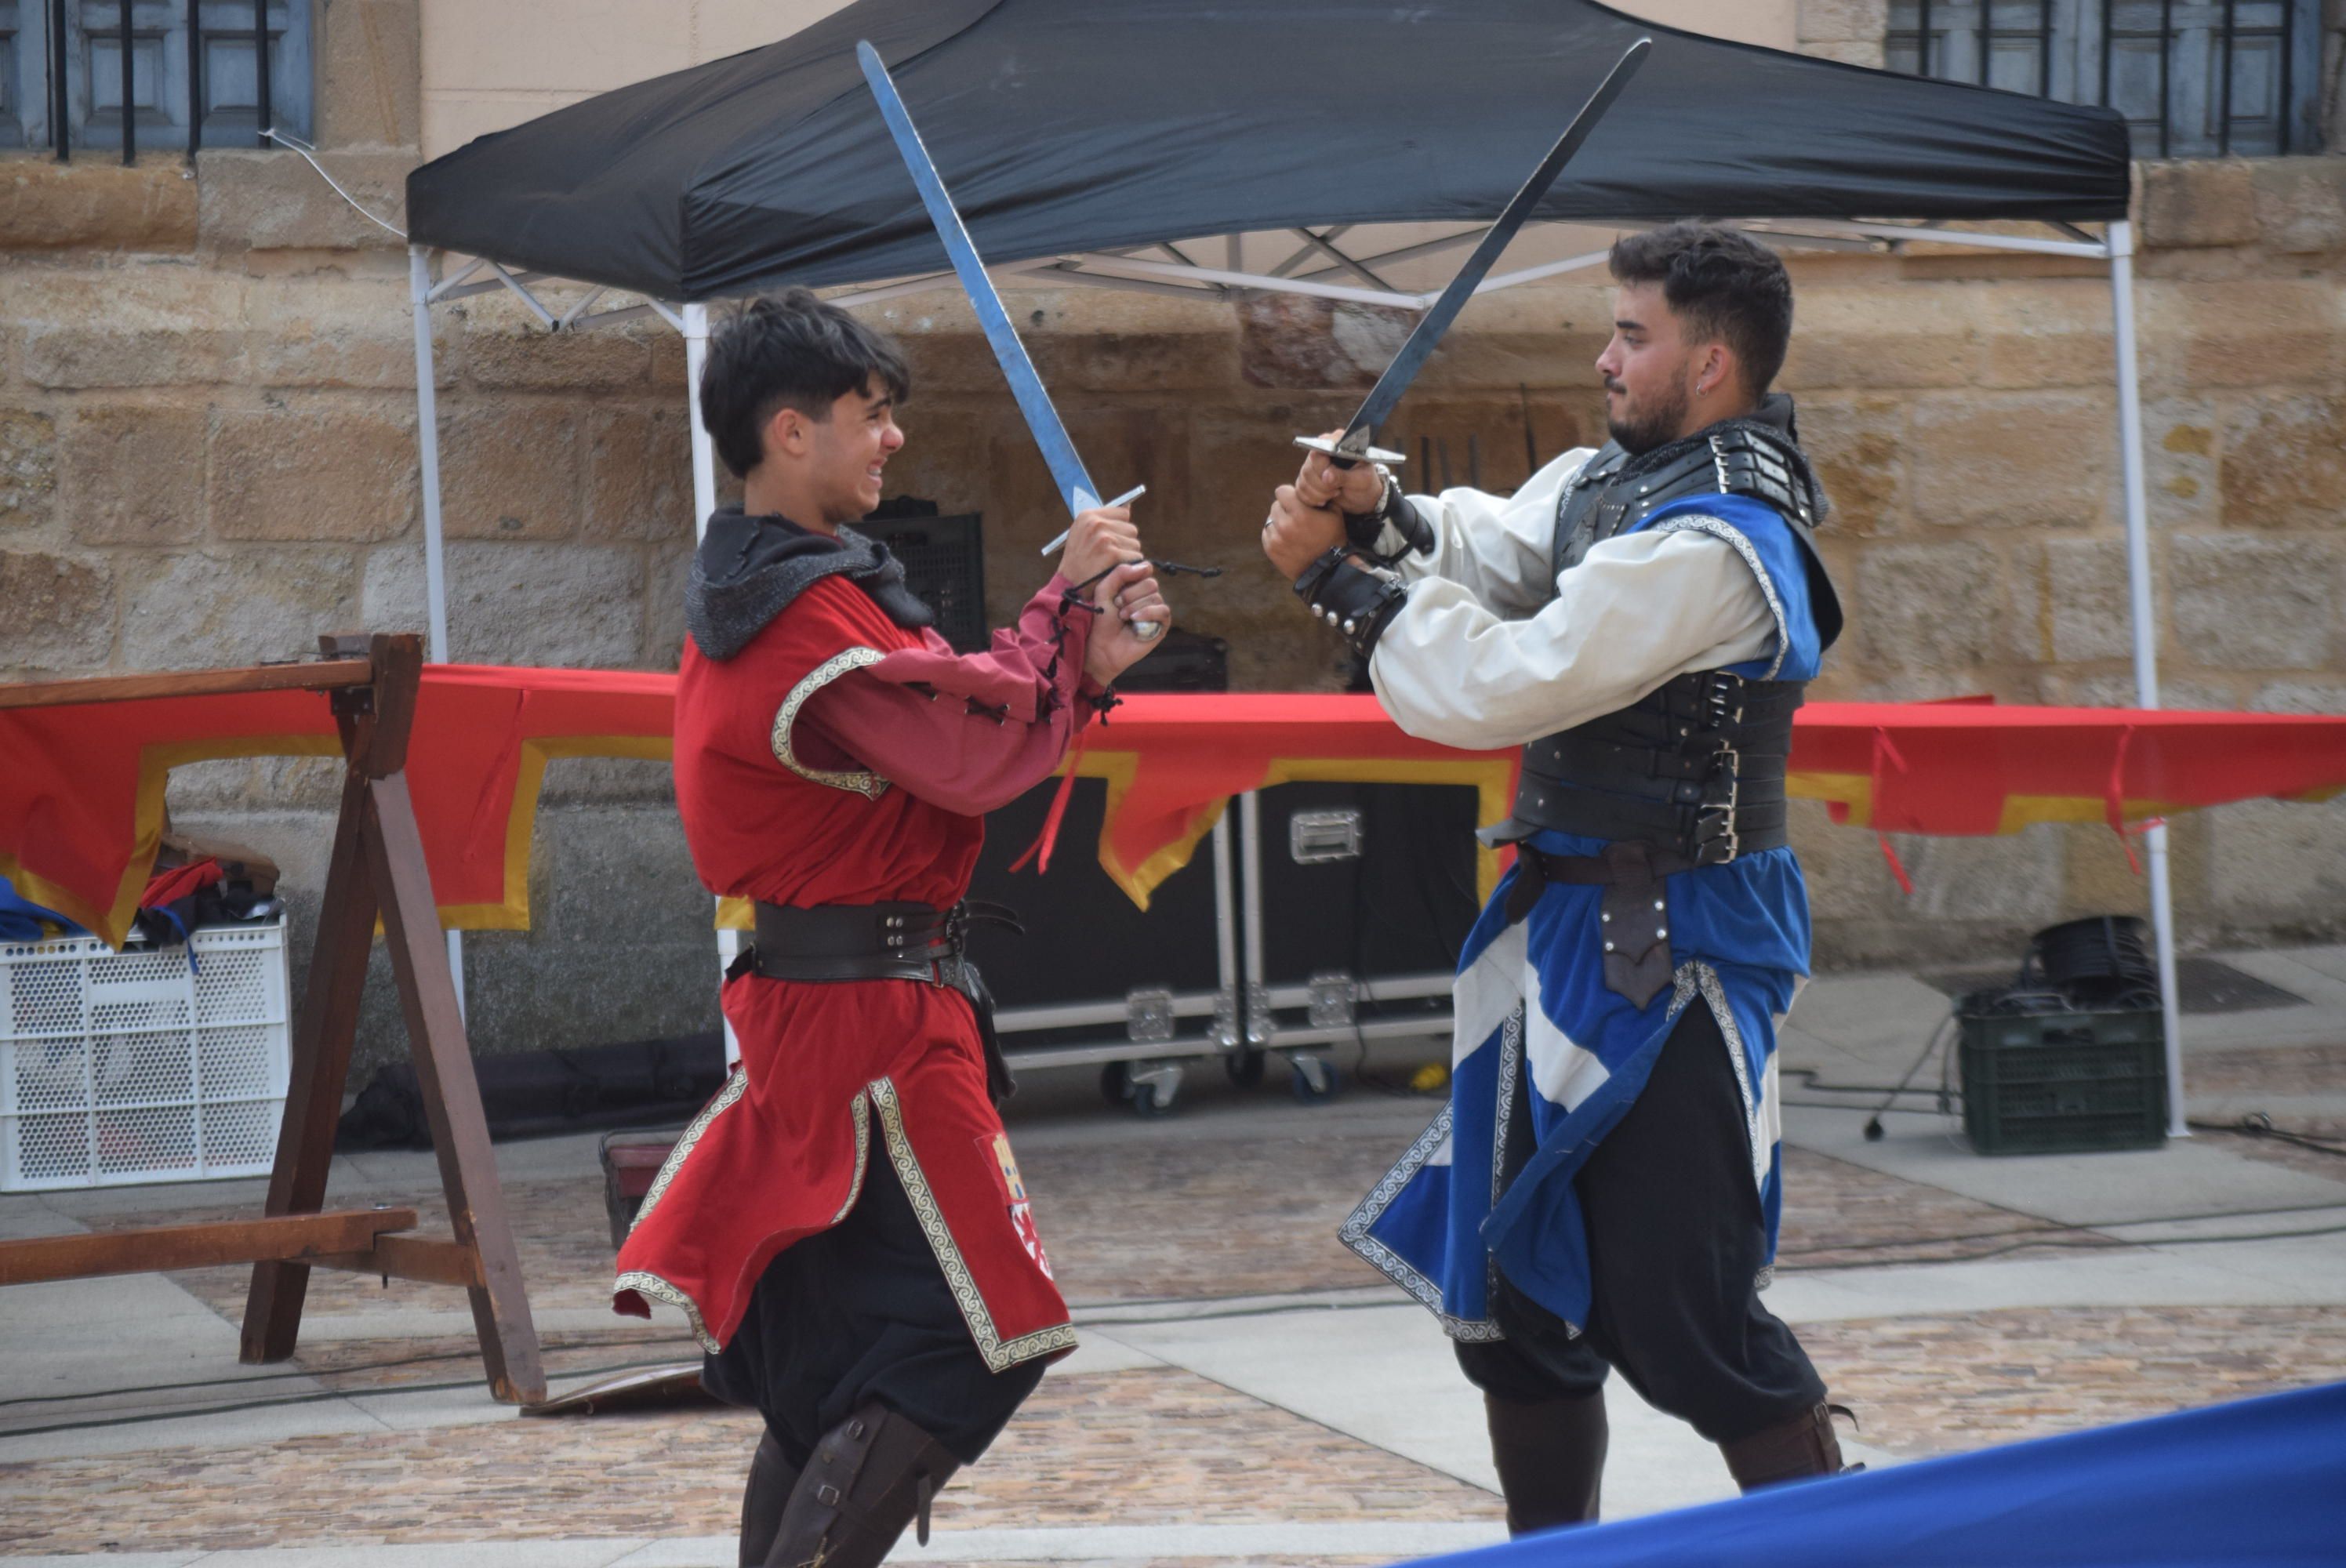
[1335, 453]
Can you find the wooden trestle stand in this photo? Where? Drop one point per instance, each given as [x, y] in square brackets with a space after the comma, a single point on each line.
[377, 869]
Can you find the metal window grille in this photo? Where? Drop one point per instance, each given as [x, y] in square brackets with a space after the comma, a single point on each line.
[133, 76]
[2195, 79]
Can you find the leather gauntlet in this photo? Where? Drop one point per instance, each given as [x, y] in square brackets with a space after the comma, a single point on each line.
[1357, 601]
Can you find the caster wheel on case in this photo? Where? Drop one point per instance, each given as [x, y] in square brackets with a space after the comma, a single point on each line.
[1315, 1080]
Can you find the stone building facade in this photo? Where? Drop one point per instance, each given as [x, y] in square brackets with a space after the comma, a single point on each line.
[208, 455]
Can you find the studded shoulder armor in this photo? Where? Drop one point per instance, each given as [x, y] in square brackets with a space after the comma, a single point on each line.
[1600, 502]
[1603, 500]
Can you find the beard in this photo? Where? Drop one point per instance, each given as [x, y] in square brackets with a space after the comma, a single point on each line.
[1641, 430]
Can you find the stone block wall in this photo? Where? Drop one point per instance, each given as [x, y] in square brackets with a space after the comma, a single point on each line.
[207, 456]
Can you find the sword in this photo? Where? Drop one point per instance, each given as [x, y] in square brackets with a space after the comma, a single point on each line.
[1352, 447]
[1067, 472]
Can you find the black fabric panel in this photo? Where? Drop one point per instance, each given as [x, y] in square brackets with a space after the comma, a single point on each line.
[1071, 125]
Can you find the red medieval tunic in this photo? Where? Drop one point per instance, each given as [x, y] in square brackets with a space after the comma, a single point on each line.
[840, 758]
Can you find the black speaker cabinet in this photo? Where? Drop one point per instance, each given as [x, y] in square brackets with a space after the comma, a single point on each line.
[1358, 899]
[1095, 979]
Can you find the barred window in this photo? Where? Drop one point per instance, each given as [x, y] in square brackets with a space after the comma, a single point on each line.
[2195, 79]
[192, 62]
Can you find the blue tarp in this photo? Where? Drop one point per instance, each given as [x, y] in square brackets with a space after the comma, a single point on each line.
[20, 919]
[2257, 1484]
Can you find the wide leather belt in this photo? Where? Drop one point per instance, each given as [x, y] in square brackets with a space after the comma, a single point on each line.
[831, 943]
[867, 941]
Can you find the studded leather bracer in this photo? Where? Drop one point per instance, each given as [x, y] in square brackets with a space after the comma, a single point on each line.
[1358, 601]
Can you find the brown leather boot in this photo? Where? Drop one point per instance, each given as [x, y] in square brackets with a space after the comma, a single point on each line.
[1551, 1460]
[771, 1476]
[870, 1475]
[1804, 1446]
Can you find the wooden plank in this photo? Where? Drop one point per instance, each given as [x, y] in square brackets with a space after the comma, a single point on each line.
[432, 1260]
[324, 1030]
[153, 1249]
[398, 661]
[317, 676]
[452, 1094]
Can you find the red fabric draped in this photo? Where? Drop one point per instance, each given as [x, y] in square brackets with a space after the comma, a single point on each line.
[81, 791]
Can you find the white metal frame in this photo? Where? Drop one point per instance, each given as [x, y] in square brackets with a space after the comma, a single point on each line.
[1311, 269]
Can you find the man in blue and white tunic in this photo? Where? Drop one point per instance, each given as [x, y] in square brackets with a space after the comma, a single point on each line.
[1603, 1188]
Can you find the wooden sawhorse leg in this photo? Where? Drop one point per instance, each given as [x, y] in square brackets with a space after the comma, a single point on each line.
[378, 868]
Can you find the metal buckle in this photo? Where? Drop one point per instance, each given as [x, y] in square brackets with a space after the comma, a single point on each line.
[1720, 699]
[1723, 766]
[1715, 842]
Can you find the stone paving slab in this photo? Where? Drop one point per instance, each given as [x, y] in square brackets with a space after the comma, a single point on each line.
[1418, 1405]
[2295, 1273]
[2182, 1176]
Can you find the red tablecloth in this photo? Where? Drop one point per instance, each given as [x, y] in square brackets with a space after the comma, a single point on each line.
[81, 787]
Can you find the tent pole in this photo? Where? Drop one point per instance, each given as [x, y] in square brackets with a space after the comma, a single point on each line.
[704, 451]
[435, 575]
[2145, 645]
[704, 502]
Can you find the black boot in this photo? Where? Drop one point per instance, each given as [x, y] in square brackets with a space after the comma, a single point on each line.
[1789, 1451]
[771, 1476]
[1551, 1460]
[870, 1475]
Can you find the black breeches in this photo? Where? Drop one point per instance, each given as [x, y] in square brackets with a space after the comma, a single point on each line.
[861, 1313]
[1675, 1244]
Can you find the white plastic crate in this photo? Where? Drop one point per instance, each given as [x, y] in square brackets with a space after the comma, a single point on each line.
[139, 1065]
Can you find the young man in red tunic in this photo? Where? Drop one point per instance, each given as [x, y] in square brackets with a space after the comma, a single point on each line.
[844, 1224]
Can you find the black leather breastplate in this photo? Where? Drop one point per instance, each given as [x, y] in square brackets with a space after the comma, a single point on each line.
[1697, 767]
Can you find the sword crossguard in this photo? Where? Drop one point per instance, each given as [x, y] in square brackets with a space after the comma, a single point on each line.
[1342, 459]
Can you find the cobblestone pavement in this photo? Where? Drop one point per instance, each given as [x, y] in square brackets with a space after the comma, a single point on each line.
[1139, 1447]
[1142, 1221]
[1163, 1215]
[1944, 1385]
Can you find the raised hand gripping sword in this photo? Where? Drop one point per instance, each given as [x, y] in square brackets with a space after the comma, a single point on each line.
[1353, 446]
[1067, 472]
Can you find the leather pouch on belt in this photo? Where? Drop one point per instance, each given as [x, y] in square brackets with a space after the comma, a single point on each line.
[1636, 920]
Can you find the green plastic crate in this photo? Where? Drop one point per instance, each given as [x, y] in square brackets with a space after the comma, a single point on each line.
[2056, 1082]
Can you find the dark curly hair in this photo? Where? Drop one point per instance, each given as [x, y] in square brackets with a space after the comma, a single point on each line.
[787, 351]
[1724, 285]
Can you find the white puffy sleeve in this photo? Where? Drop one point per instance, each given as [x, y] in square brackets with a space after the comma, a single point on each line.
[1640, 610]
[1495, 546]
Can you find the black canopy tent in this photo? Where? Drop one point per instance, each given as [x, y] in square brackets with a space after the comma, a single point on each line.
[1079, 136]
[1069, 126]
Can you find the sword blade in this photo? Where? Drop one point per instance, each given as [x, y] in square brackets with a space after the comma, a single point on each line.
[1067, 472]
[1387, 393]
